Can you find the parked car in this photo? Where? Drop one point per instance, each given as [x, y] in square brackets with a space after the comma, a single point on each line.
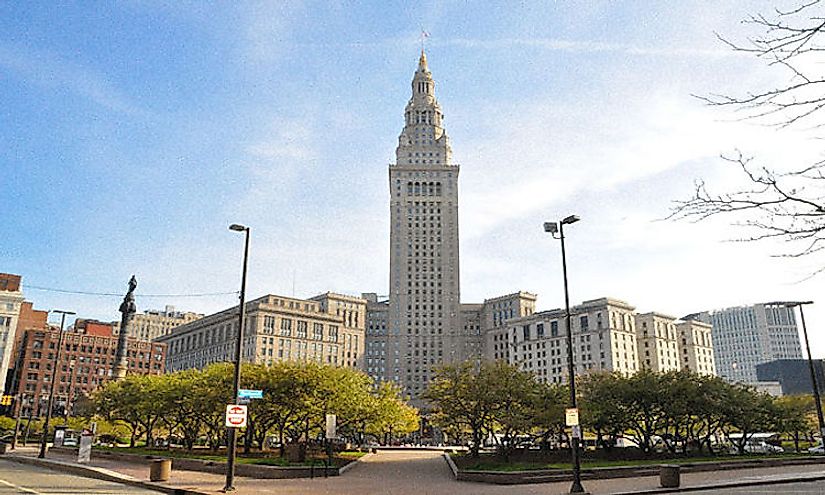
[763, 448]
[817, 449]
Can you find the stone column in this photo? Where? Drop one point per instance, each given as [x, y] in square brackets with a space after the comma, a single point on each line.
[127, 310]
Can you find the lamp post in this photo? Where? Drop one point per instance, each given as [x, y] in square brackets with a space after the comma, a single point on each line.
[793, 304]
[56, 359]
[553, 228]
[231, 433]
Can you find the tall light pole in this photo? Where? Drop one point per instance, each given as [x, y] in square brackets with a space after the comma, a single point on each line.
[793, 304]
[553, 228]
[55, 361]
[231, 432]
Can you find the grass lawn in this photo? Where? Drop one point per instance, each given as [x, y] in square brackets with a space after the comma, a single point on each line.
[493, 463]
[340, 459]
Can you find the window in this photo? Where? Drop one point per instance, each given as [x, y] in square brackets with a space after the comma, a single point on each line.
[286, 327]
[333, 333]
[318, 331]
[583, 324]
[539, 330]
[302, 329]
[269, 324]
[554, 328]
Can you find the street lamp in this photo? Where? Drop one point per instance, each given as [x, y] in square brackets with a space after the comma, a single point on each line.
[55, 361]
[793, 304]
[230, 464]
[558, 228]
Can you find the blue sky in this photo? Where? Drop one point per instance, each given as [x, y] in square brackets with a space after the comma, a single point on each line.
[133, 133]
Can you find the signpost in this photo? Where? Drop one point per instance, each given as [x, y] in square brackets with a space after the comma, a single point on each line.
[245, 393]
[235, 416]
[331, 424]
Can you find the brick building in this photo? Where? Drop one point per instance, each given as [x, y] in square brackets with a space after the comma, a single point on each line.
[86, 362]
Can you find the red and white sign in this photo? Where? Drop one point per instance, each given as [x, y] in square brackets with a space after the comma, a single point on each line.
[235, 416]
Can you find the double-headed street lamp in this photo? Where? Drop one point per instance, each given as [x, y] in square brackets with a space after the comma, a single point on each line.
[791, 305]
[558, 228]
[55, 361]
[231, 432]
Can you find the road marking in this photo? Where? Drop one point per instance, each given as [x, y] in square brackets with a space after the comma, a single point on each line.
[19, 488]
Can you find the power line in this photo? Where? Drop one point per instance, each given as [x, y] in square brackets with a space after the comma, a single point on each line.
[89, 293]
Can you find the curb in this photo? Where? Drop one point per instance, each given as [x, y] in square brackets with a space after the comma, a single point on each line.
[348, 466]
[729, 484]
[451, 464]
[98, 473]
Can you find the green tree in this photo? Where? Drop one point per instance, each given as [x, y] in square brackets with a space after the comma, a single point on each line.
[459, 401]
[604, 406]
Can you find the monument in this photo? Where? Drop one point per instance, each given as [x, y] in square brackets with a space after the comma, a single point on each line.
[127, 310]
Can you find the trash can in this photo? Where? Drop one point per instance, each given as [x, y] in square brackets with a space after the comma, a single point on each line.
[669, 476]
[160, 470]
[3, 447]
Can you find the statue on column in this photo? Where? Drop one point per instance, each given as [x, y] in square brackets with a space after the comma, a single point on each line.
[127, 310]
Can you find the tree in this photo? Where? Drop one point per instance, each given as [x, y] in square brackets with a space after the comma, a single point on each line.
[784, 205]
[513, 394]
[797, 416]
[459, 401]
[747, 412]
[604, 406]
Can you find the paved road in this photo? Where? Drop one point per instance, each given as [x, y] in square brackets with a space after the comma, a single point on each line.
[20, 478]
[811, 488]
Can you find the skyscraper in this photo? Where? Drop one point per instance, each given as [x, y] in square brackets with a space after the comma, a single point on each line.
[746, 336]
[424, 324]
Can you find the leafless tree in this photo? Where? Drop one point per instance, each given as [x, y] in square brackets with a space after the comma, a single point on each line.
[788, 206]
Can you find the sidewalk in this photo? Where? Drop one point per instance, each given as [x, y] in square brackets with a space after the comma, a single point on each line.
[408, 472]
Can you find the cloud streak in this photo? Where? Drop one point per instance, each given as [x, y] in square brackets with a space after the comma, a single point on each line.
[48, 70]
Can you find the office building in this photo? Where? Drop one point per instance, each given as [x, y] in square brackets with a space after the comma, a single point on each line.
[746, 336]
[793, 375]
[86, 362]
[327, 329]
[155, 323]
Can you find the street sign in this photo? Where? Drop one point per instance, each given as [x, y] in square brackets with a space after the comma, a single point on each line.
[250, 394]
[331, 420]
[235, 416]
[571, 416]
[576, 431]
[6, 400]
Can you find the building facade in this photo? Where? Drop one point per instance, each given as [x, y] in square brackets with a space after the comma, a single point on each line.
[424, 313]
[746, 336]
[155, 323]
[657, 338]
[11, 299]
[604, 339]
[86, 362]
[696, 344]
[327, 329]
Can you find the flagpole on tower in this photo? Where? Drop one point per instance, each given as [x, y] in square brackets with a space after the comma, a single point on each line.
[424, 36]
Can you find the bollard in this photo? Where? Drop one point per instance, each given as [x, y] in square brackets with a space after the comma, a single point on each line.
[160, 470]
[669, 476]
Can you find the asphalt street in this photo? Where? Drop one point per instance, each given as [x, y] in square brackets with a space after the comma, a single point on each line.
[21, 478]
[809, 488]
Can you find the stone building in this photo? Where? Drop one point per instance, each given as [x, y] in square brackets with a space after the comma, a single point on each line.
[327, 329]
[658, 341]
[155, 323]
[696, 344]
[11, 299]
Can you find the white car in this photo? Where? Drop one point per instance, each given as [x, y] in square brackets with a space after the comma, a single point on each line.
[763, 448]
[817, 449]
